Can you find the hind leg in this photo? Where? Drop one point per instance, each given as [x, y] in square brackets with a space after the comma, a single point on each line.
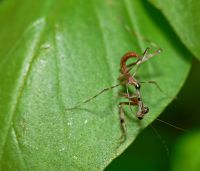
[122, 119]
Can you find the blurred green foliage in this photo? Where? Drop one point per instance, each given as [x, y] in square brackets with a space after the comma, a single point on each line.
[187, 153]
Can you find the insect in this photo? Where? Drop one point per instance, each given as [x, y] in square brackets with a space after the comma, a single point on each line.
[128, 79]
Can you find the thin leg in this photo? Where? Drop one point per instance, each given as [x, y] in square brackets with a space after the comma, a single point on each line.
[135, 63]
[144, 58]
[122, 119]
[133, 100]
[130, 66]
[158, 87]
[155, 83]
[93, 97]
[153, 44]
[150, 55]
[127, 96]
[146, 51]
[121, 77]
[140, 37]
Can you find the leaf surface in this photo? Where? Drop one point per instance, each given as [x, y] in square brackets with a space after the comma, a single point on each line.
[54, 54]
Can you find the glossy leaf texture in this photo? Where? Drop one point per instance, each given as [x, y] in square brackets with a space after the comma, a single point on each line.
[55, 54]
[184, 17]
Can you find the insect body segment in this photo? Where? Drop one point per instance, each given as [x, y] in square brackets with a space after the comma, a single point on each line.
[124, 68]
[129, 79]
[135, 100]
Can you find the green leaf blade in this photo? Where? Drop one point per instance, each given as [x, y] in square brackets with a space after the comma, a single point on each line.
[185, 19]
[64, 53]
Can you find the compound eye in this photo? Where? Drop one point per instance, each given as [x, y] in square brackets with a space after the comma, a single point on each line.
[140, 118]
[137, 86]
[146, 110]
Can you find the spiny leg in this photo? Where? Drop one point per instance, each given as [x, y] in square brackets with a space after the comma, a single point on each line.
[95, 96]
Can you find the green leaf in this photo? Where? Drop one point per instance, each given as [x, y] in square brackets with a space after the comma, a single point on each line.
[187, 153]
[54, 54]
[185, 19]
